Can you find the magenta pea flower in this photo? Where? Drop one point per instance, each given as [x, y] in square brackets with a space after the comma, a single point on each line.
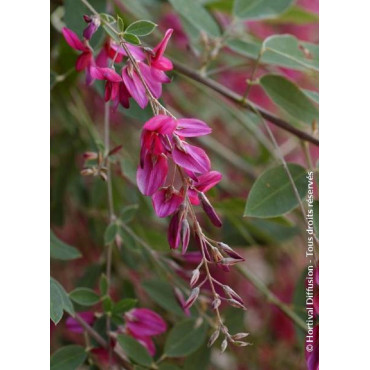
[166, 201]
[158, 61]
[202, 183]
[93, 25]
[85, 60]
[142, 324]
[112, 78]
[74, 326]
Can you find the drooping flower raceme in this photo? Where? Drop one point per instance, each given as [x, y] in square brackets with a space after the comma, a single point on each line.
[175, 173]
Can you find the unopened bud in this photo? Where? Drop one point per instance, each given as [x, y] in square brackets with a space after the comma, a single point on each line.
[239, 336]
[216, 255]
[87, 172]
[224, 345]
[235, 303]
[209, 210]
[230, 251]
[230, 261]
[185, 236]
[213, 338]
[90, 155]
[231, 293]
[115, 150]
[216, 303]
[194, 277]
[241, 344]
[192, 298]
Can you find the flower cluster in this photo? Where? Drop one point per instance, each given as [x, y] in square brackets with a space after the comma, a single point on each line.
[120, 87]
[175, 173]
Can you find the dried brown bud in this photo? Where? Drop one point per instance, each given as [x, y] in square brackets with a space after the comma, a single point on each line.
[213, 338]
[216, 255]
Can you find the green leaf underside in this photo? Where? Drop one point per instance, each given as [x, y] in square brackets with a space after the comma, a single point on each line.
[197, 16]
[185, 338]
[59, 301]
[250, 49]
[272, 194]
[162, 293]
[84, 296]
[287, 96]
[124, 305]
[68, 358]
[131, 38]
[290, 47]
[141, 28]
[62, 251]
[134, 350]
[260, 9]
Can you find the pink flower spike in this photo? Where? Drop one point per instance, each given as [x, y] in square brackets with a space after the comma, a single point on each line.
[166, 201]
[153, 174]
[73, 40]
[208, 180]
[191, 157]
[105, 73]
[191, 127]
[145, 322]
[161, 124]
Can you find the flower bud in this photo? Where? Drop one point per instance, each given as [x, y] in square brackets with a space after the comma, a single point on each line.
[231, 293]
[87, 172]
[192, 298]
[216, 303]
[216, 255]
[241, 344]
[194, 277]
[239, 336]
[90, 155]
[115, 150]
[230, 251]
[209, 210]
[224, 345]
[235, 303]
[230, 261]
[185, 235]
[213, 338]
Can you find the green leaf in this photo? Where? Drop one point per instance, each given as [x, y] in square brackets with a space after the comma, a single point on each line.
[136, 8]
[120, 24]
[260, 9]
[272, 194]
[313, 95]
[68, 358]
[162, 293]
[141, 28]
[103, 284]
[132, 39]
[197, 16]
[168, 366]
[111, 33]
[62, 251]
[290, 47]
[110, 233]
[296, 15]
[84, 296]
[251, 49]
[287, 96]
[316, 217]
[134, 350]
[185, 338]
[124, 305]
[199, 359]
[59, 301]
[128, 212]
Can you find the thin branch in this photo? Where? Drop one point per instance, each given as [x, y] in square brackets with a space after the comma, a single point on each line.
[102, 342]
[238, 99]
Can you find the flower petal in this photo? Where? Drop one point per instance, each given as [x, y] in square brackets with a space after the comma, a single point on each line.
[193, 158]
[73, 40]
[166, 202]
[208, 180]
[161, 47]
[153, 174]
[105, 73]
[161, 124]
[145, 322]
[135, 88]
[192, 127]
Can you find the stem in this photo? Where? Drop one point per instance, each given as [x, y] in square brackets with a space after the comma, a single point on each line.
[102, 342]
[238, 99]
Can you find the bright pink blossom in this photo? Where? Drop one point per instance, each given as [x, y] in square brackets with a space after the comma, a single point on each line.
[166, 201]
[73, 325]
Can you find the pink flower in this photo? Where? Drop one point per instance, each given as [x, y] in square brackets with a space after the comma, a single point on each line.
[166, 201]
[112, 78]
[85, 61]
[134, 86]
[74, 326]
[142, 324]
[93, 25]
[203, 183]
[158, 61]
[152, 174]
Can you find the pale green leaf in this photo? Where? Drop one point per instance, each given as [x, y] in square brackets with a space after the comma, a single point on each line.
[141, 28]
[260, 9]
[84, 296]
[59, 301]
[134, 350]
[68, 358]
[60, 250]
[272, 194]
